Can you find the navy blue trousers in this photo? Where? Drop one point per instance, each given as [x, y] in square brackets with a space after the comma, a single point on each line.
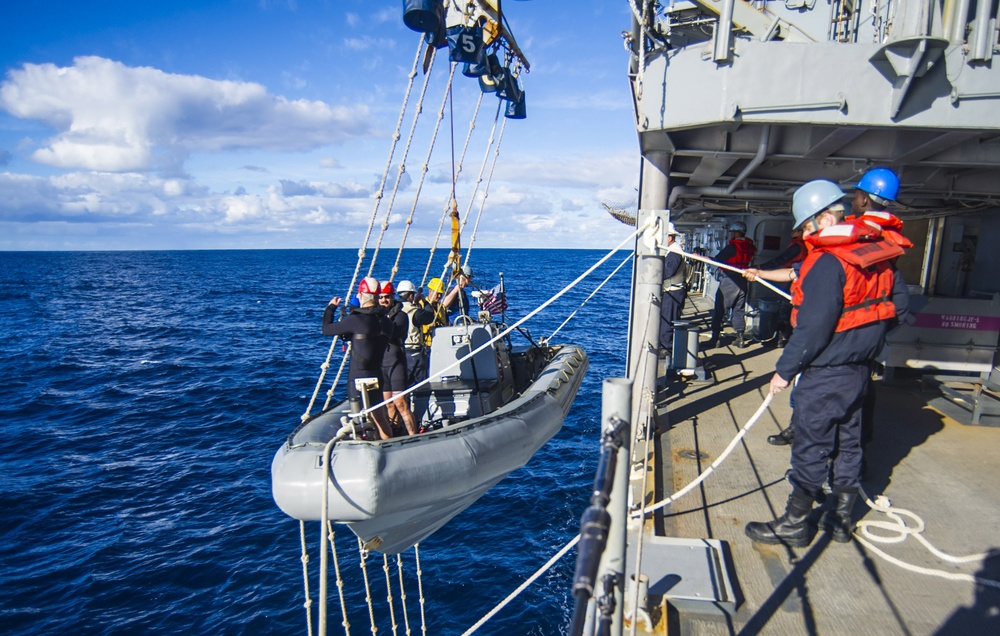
[670, 312]
[827, 421]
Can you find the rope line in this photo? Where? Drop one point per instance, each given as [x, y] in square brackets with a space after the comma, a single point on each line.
[425, 169]
[402, 593]
[708, 471]
[305, 577]
[420, 588]
[705, 259]
[447, 207]
[636, 609]
[867, 538]
[592, 294]
[486, 189]
[531, 579]
[368, 590]
[388, 587]
[417, 110]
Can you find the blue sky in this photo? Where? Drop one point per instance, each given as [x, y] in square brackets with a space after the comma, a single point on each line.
[268, 124]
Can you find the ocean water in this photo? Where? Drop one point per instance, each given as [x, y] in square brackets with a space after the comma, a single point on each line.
[144, 395]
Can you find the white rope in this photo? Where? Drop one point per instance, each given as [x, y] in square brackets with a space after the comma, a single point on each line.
[424, 170]
[371, 223]
[402, 592]
[639, 527]
[708, 471]
[531, 579]
[592, 294]
[418, 109]
[388, 587]
[705, 259]
[420, 588]
[486, 193]
[345, 623]
[368, 591]
[458, 170]
[305, 577]
[678, 495]
[867, 538]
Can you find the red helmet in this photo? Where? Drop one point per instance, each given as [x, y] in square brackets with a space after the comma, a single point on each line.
[388, 288]
[368, 285]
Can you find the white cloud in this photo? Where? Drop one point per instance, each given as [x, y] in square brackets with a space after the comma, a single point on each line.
[111, 117]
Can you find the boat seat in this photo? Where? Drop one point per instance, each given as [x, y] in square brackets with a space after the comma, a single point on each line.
[452, 343]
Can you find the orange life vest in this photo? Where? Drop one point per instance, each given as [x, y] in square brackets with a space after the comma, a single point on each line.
[890, 224]
[745, 251]
[866, 258]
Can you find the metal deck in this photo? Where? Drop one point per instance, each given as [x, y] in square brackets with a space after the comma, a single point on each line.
[924, 461]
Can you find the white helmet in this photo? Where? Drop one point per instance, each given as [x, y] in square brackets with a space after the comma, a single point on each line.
[467, 271]
[405, 286]
[812, 198]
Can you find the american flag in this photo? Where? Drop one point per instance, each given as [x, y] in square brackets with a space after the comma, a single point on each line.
[493, 300]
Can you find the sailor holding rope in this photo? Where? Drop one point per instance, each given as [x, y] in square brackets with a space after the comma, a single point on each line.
[842, 303]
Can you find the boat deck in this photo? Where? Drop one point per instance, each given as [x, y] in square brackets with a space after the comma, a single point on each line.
[921, 459]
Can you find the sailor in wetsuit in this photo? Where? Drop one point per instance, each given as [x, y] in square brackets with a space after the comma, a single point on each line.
[367, 330]
[394, 363]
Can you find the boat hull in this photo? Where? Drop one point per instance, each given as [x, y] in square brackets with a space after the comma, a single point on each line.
[396, 492]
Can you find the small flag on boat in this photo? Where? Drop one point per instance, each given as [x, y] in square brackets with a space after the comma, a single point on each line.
[493, 300]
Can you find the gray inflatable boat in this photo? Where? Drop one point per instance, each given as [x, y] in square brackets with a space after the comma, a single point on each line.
[483, 418]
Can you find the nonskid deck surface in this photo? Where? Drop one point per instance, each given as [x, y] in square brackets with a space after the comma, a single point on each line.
[925, 462]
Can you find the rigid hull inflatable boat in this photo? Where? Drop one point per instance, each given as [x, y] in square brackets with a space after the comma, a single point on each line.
[483, 418]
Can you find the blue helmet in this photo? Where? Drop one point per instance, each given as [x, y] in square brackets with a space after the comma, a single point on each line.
[882, 183]
[812, 198]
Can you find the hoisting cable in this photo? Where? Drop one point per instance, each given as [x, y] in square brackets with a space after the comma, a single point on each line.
[592, 294]
[486, 190]
[447, 207]
[371, 223]
[418, 109]
[445, 101]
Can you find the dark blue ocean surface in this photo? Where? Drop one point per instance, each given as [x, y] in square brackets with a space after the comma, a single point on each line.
[143, 395]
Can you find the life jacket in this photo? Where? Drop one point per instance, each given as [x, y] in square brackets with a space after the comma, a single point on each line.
[867, 261]
[440, 320]
[414, 334]
[745, 251]
[890, 224]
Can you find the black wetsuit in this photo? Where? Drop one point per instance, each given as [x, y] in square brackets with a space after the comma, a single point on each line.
[394, 362]
[367, 329]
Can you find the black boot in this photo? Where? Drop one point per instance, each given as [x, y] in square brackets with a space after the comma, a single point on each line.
[791, 528]
[784, 438]
[742, 341]
[712, 342]
[838, 521]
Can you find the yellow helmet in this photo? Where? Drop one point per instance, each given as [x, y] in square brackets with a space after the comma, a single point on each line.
[436, 285]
